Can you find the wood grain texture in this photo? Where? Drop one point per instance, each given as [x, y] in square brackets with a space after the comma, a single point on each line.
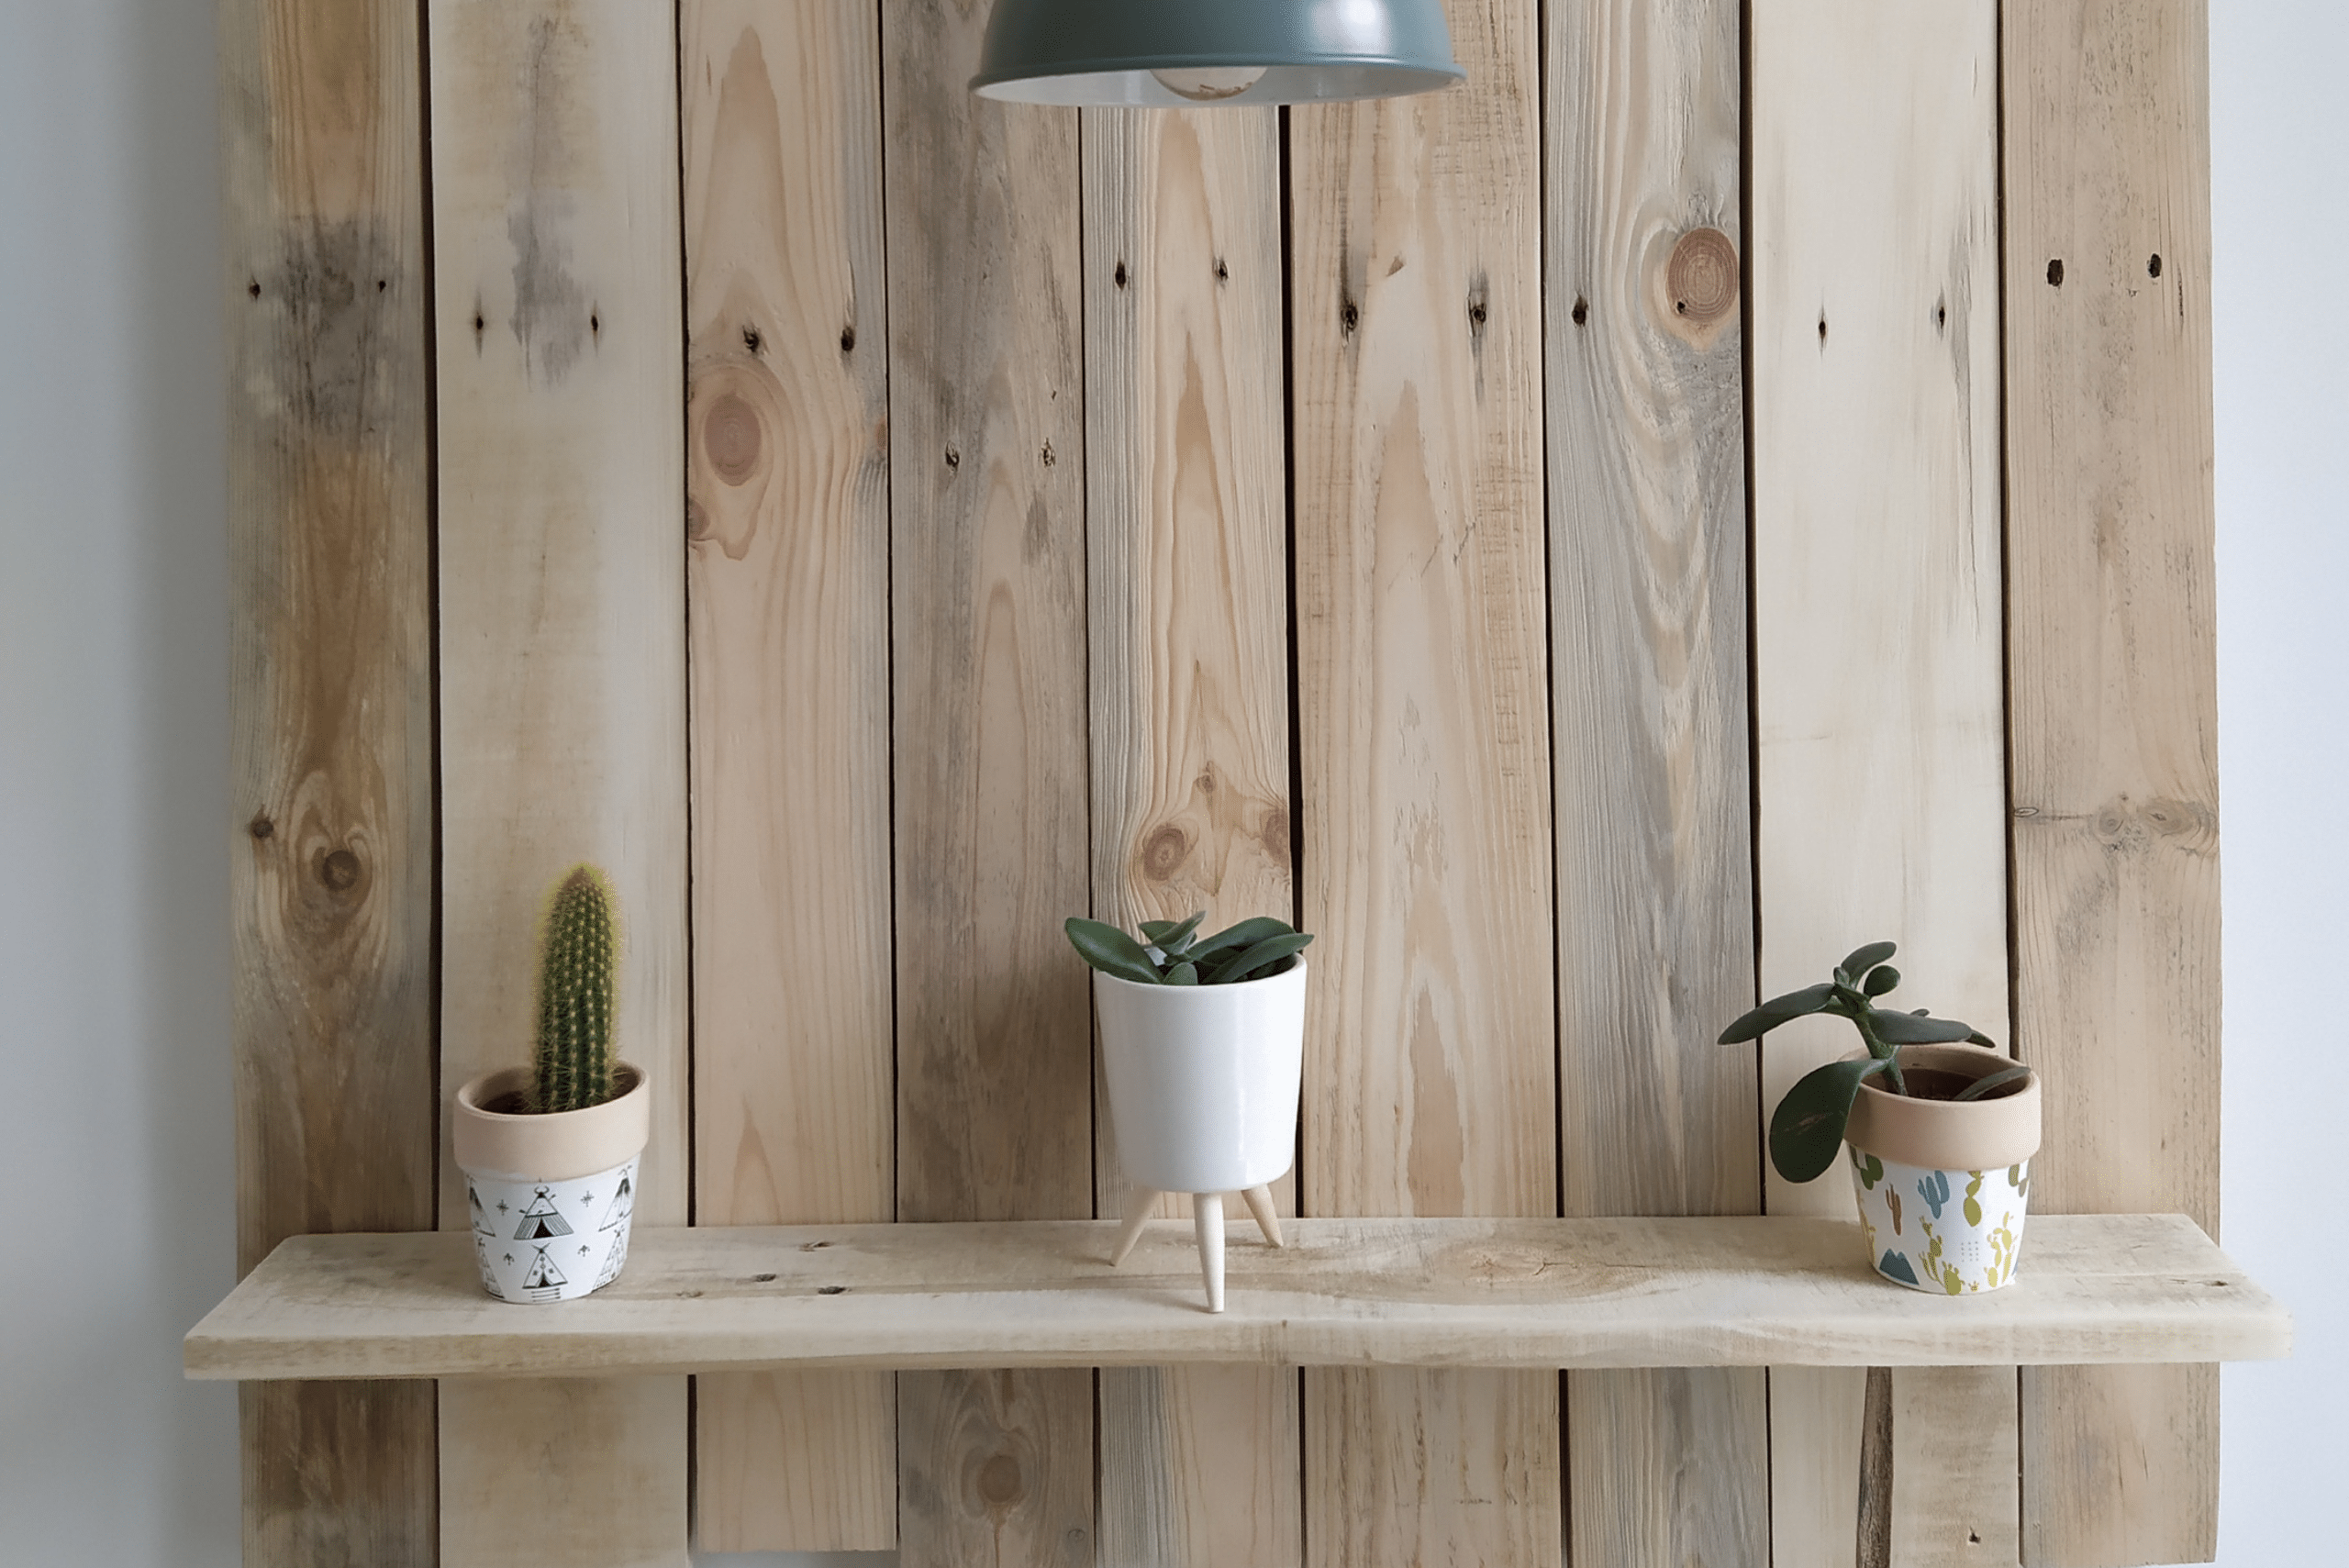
[329, 518]
[1187, 584]
[1430, 1050]
[1646, 424]
[787, 584]
[1730, 1291]
[1877, 605]
[563, 679]
[994, 1084]
[2114, 714]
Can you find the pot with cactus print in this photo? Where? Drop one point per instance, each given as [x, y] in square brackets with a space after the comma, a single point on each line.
[549, 1152]
[1938, 1125]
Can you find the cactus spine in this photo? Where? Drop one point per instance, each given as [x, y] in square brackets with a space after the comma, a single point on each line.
[578, 964]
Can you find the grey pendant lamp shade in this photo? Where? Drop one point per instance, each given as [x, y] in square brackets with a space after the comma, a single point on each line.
[1177, 53]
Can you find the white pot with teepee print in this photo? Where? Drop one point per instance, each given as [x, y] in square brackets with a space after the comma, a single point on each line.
[550, 1196]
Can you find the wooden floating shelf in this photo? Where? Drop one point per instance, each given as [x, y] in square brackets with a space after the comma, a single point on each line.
[1495, 1293]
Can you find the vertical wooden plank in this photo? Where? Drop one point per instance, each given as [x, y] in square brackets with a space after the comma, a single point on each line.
[330, 517]
[1432, 1042]
[1646, 421]
[2114, 716]
[1187, 581]
[787, 584]
[555, 219]
[1877, 635]
[994, 1082]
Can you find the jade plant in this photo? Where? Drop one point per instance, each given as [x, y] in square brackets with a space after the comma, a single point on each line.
[1807, 1128]
[1171, 953]
[578, 964]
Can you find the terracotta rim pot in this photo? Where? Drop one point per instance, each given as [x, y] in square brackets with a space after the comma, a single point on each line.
[551, 1197]
[1942, 1185]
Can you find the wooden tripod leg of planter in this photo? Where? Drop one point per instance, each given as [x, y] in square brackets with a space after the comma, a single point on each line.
[1206, 1216]
[1268, 1218]
[1139, 1203]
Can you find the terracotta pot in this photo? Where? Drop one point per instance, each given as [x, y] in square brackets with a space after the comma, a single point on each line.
[1204, 1079]
[551, 1196]
[1942, 1185]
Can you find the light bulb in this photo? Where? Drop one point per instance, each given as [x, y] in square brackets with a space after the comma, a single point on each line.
[1209, 84]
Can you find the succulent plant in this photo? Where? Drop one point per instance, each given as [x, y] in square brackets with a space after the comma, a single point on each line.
[578, 969]
[1808, 1126]
[1171, 953]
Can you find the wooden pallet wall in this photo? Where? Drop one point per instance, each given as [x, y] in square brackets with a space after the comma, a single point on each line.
[1728, 483]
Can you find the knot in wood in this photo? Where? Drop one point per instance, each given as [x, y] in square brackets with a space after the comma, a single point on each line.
[731, 437]
[339, 871]
[1164, 850]
[1701, 279]
[1000, 1484]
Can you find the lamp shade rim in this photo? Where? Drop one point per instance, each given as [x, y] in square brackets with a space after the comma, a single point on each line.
[1449, 70]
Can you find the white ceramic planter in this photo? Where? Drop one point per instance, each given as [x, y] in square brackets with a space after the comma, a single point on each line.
[551, 1196]
[1942, 1185]
[1203, 1085]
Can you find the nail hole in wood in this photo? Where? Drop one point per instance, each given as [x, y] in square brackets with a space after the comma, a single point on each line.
[813, 1246]
[1581, 312]
[1822, 328]
[762, 1279]
[254, 288]
[381, 285]
[954, 458]
[848, 339]
[750, 338]
[1049, 458]
[831, 1290]
[478, 323]
[596, 323]
[2154, 265]
[1477, 313]
[1349, 315]
[2056, 272]
[1222, 273]
[1118, 277]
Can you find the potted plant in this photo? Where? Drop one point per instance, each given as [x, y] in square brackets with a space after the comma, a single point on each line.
[550, 1150]
[1203, 1039]
[1942, 1126]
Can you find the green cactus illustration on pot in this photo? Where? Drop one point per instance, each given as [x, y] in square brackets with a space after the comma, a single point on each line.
[2002, 1252]
[1870, 1168]
[1974, 1199]
[578, 972]
[2019, 1178]
[1934, 1190]
[1936, 1268]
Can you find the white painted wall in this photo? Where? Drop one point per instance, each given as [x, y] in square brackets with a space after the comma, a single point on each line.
[114, 761]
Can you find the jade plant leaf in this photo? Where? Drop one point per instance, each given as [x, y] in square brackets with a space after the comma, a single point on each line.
[1881, 979]
[1261, 955]
[1246, 934]
[1916, 1029]
[1776, 1011]
[1110, 951]
[1172, 936]
[1183, 974]
[1864, 959]
[1808, 1126]
[1998, 1080]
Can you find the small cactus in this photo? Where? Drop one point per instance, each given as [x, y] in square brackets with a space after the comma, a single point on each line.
[578, 968]
[1934, 1190]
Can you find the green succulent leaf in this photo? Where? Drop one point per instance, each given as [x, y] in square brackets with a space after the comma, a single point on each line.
[1998, 1080]
[1776, 1011]
[1881, 979]
[1183, 974]
[1246, 934]
[1862, 959]
[1272, 949]
[1917, 1029]
[1110, 951]
[1808, 1126]
[1978, 1038]
[1172, 936]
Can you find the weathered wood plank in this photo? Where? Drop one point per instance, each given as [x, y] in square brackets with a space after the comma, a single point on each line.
[2114, 715]
[787, 580]
[563, 680]
[994, 1083]
[1188, 584]
[1877, 616]
[329, 517]
[1431, 1055]
[1728, 1291]
[1646, 424]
